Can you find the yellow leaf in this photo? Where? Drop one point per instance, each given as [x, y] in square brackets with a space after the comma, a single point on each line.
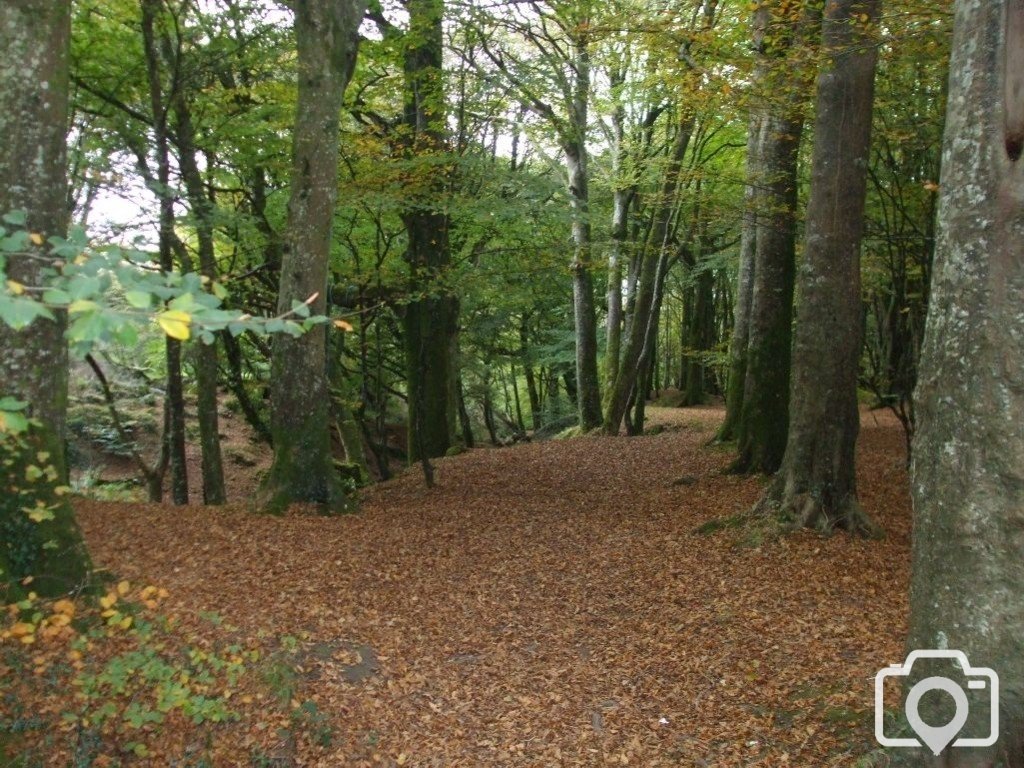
[126, 622]
[175, 323]
[15, 287]
[36, 238]
[123, 588]
[22, 628]
[343, 325]
[28, 639]
[82, 305]
[65, 607]
[108, 600]
[40, 514]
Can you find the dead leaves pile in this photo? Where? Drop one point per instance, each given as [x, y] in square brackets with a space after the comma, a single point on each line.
[550, 604]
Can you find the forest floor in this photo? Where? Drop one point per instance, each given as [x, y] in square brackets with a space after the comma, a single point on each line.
[548, 604]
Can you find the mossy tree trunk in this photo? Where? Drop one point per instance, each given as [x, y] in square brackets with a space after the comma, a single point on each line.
[816, 486]
[622, 196]
[779, 34]
[326, 32]
[431, 317]
[35, 38]
[699, 335]
[588, 400]
[967, 476]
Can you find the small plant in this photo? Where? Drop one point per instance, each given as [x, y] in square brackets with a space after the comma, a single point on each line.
[129, 672]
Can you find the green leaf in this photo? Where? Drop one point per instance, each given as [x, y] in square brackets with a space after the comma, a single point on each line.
[139, 299]
[56, 296]
[19, 312]
[16, 218]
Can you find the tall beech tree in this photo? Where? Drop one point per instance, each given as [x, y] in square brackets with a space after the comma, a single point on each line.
[781, 32]
[967, 482]
[326, 33]
[35, 36]
[431, 317]
[562, 38]
[816, 485]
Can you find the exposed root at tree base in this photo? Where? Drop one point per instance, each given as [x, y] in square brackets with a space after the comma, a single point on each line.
[796, 511]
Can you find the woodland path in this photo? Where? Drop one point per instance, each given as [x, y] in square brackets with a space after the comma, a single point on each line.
[551, 604]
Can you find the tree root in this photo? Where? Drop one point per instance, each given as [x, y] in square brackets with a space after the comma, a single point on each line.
[797, 511]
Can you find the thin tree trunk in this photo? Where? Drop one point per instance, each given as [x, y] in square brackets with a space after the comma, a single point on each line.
[584, 312]
[816, 486]
[175, 396]
[621, 198]
[637, 354]
[212, 466]
[464, 420]
[536, 414]
[744, 285]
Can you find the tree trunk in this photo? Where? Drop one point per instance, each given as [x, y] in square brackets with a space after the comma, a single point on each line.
[764, 412]
[464, 420]
[700, 337]
[536, 415]
[303, 471]
[621, 197]
[35, 38]
[637, 354]
[431, 318]
[968, 482]
[744, 285]
[205, 354]
[764, 415]
[175, 396]
[816, 486]
[588, 402]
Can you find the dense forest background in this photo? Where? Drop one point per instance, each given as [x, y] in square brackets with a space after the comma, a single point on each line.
[540, 207]
[269, 256]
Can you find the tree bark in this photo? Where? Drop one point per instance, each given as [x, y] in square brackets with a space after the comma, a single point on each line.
[303, 470]
[212, 465]
[744, 285]
[700, 337]
[968, 480]
[431, 318]
[35, 38]
[764, 411]
[816, 486]
[637, 353]
[175, 396]
[621, 197]
[588, 401]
